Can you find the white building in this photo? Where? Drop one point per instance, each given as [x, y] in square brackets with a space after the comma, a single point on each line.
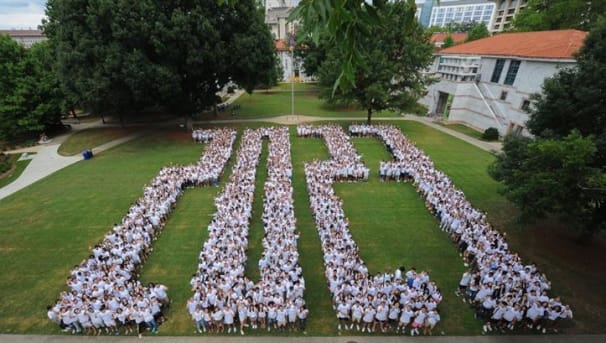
[461, 11]
[292, 69]
[488, 82]
[25, 37]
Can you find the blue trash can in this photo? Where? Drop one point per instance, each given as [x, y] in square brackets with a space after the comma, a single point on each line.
[87, 154]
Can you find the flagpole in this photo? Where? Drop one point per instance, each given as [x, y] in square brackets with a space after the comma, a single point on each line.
[292, 83]
[292, 71]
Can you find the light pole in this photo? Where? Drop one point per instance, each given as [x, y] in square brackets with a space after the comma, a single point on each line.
[292, 71]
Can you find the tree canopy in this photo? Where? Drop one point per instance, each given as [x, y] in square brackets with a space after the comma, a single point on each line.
[30, 96]
[562, 170]
[123, 56]
[540, 15]
[477, 31]
[388, 74]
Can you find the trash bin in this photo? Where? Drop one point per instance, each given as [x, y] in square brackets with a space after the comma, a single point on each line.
[87, 154]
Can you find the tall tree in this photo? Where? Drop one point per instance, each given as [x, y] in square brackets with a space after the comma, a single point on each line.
[562, 170]
[477, 31]
[392, 57]
[30, 97]
[448, 42]
[540, 15]
[122, 56]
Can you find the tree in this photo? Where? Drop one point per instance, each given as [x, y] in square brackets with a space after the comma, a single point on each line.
[562, 170]
[477, 31]
[448, 42]
[392, 58]
[123, 56]
[346, 24]
[542, 15]
[30, 98]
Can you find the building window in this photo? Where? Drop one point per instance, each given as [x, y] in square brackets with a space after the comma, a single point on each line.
[498, 68]
[525, 105]
[503, 95]
[512, 72]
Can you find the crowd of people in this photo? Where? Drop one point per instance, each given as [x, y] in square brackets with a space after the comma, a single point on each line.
[505, 292]
[224, 299]
[104, 293]
[388, 302]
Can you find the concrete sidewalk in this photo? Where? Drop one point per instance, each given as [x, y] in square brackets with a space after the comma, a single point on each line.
[47, 160]
[339, 339]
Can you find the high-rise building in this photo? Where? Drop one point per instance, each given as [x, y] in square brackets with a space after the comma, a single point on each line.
[505, 11]
[460, 11]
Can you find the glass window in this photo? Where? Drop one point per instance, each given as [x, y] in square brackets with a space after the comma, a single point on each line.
[503, 95]
[512, 72]
[498, 68]
[525, 105]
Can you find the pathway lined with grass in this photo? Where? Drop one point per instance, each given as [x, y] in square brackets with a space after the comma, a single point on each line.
[47, 161]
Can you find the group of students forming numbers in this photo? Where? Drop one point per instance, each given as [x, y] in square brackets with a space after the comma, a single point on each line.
[389, 302]
[225, 300]
[505, 292]
[105, 297]
[104, 294]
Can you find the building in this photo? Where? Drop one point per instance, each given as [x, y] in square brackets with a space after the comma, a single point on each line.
[488, 82]
[25, 37]
[458, 11]
[437, 39]
[505, 11]
[292, 69]
[276, 19]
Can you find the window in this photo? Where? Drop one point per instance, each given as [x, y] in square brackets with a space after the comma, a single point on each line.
[525, 105]
[498, 68]
[512, 72]
[503, 95]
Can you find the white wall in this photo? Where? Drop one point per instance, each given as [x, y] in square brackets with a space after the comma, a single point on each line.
[468, 105]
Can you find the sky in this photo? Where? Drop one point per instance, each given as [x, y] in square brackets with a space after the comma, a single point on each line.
[21, 14]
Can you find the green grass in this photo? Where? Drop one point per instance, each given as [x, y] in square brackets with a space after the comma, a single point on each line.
[90, 138]
[51, 225]
[277, 102]
[464, 129]
[12, 175]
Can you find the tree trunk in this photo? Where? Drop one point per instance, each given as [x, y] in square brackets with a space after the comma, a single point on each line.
[121, 120]
[369, 116]
[102, 118]
[73, 111]
[189, 125]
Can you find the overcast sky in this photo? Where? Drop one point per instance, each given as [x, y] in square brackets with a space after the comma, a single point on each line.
[21, 14]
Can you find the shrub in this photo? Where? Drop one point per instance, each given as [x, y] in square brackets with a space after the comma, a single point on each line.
[5, 163]
[490, 134]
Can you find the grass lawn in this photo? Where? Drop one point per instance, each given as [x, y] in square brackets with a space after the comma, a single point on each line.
[277, 102]
[11, 176]
[90, 138]
[466, 130]
[50, 226]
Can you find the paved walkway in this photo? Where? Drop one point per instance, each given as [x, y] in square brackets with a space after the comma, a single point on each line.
[47, 160]
[299, 119]
[339, 339]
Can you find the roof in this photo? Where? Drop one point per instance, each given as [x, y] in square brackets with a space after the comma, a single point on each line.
[281, 45]
[457, 37]
[22, 33]
[559, 44]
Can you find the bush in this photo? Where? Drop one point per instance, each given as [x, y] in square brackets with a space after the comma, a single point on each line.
[490, 134]
[5, 163]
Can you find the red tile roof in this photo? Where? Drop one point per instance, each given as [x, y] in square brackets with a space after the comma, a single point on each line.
[281, 45]
[560, 44]
[22, 33]
[457, 37]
